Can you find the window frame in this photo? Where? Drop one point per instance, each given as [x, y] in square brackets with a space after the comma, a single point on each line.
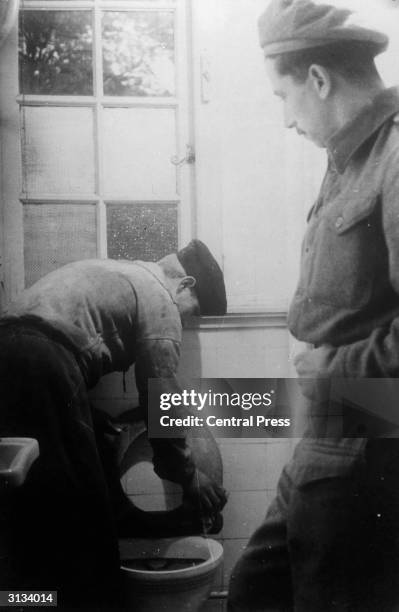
[99, 102]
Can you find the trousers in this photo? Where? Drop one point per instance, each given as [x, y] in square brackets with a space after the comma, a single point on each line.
[329, 544]
[59, 526]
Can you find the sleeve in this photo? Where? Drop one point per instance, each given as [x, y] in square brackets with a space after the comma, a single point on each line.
[378, 354]
[159, 359]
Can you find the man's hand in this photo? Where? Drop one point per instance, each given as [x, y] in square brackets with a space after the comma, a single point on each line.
[313, 371]
[204, 494]
[314, 363]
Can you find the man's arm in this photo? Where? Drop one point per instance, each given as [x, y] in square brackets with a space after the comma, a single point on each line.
[159, 359]
[172, 457]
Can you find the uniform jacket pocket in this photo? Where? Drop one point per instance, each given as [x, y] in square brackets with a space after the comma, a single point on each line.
[353, 213]
[346, 243]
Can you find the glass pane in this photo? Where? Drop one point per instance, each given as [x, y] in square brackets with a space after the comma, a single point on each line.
[55, 52]
[138, 53]
[138, 145]
[58, 150]
[141, 231]
[56, 234]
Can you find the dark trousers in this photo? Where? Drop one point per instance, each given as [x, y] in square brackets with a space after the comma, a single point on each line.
[329, 544]
[60, 531]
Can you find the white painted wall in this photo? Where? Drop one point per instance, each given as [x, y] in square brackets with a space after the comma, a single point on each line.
[254, 179]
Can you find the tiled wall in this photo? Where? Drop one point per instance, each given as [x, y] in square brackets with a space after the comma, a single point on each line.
[251, 471]
[251, 466]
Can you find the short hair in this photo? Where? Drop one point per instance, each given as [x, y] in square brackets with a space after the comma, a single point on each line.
[353, 60]
[171, 267]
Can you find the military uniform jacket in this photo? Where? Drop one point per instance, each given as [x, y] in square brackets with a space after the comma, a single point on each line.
[348, 291]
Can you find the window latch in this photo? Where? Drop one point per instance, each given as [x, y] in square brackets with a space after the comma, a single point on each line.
[188, 159]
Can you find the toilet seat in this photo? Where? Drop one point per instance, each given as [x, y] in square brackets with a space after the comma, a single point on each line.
[138, 477]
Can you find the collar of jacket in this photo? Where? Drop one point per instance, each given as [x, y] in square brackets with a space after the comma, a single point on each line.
[157, 273]
[345, 142]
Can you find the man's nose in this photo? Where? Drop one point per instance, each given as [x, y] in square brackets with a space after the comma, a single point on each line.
[289, 121]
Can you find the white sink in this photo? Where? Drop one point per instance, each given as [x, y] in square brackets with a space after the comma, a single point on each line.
[16, 458]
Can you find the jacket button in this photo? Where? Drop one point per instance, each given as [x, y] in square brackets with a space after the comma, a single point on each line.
[339, 222]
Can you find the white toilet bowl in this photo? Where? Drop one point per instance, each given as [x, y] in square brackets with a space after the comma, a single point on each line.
[174, 574]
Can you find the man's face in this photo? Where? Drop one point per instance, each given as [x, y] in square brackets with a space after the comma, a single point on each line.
[187, 303]
[303, 108]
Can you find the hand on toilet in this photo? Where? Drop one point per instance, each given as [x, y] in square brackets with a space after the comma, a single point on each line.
[207, 497]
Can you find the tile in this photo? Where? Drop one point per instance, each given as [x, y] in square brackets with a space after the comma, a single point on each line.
[233, 549]
[243, 353]
[277, 455]
[219, 577]
[214, 605]
[244, 466]
[238, 441]
[244, 512]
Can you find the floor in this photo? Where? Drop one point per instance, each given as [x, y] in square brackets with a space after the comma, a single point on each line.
[215, 605]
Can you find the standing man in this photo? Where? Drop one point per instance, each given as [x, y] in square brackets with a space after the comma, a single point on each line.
[59, 338]
[330, 540]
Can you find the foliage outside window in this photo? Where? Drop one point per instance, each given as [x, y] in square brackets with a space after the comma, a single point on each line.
[55, 52]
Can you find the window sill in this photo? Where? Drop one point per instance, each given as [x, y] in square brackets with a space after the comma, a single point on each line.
[239, 320]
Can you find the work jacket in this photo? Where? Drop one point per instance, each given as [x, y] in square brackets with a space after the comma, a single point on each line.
[113, 314]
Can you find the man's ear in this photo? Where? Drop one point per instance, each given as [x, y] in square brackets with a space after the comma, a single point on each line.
[187, 281]
[320, 80]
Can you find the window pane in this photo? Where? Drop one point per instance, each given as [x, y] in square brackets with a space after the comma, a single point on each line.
[138, 53]
[141, 231]
[58, 150]
[138, 145]
[55, 52]
[56, 234]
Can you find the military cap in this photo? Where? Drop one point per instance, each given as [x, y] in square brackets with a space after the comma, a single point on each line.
[292, 25]
[198, 261]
